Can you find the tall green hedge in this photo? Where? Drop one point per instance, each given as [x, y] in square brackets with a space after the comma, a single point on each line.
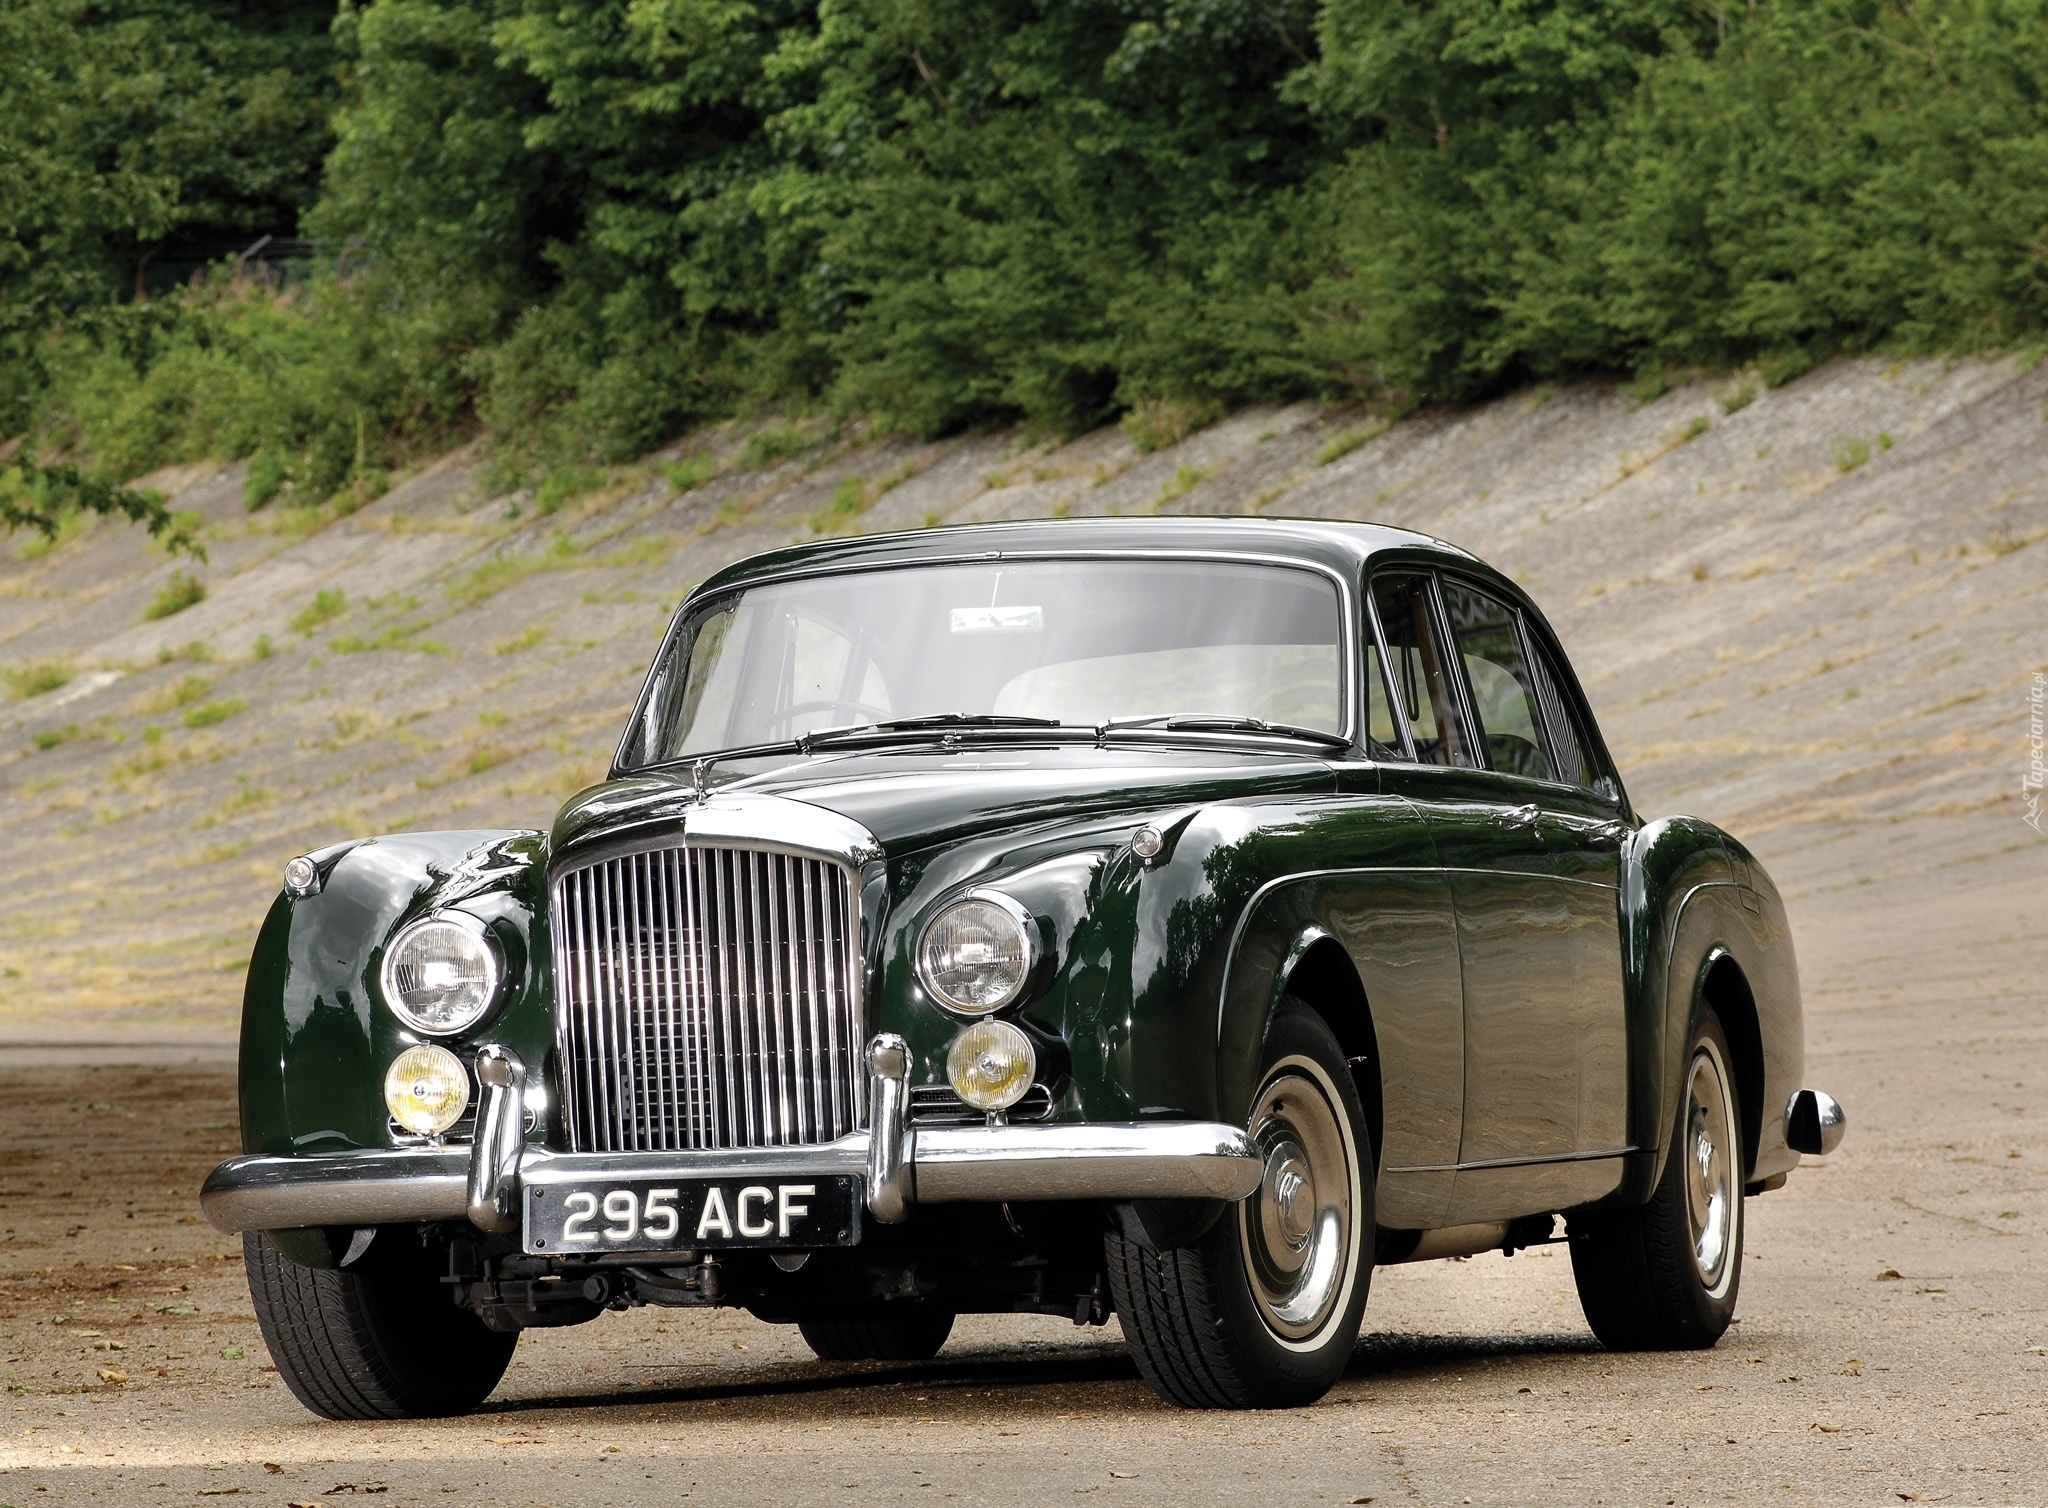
[586, 224]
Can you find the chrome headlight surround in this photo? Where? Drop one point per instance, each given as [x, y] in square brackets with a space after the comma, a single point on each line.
[491, 967]
[999, 913]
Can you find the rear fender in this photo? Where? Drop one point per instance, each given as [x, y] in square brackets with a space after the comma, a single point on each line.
[1695, 915]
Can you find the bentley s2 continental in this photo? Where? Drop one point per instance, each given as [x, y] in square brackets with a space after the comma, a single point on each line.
[1167, 919]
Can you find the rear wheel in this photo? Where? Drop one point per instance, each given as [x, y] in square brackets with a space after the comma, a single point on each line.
[1263, 1311]
[383, 1343]
[907, 1337]
[1663, 1277]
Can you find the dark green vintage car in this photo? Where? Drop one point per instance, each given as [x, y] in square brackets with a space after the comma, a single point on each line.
[1171, 919]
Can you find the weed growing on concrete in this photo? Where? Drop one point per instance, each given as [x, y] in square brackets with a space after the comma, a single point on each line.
[328, 603]
[1739, 394]
[1183, 481]
[180, 592]
[1346, 441]
[1159, 422]
[206, 714]
[765, 447]
[35, 678]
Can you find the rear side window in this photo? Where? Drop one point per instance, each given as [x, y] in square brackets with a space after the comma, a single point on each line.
[1505, 700]
[1417, 667]
[1568, 741]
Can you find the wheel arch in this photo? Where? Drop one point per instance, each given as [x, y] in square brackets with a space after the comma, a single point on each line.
[1321, 975]
[1722, 986]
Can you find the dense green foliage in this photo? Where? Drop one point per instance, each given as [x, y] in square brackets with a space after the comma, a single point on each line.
[585, 224]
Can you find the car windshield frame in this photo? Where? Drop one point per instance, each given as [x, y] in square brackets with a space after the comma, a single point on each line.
[1348, 648]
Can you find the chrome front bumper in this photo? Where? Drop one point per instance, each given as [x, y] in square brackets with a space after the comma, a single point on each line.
[902, 1165]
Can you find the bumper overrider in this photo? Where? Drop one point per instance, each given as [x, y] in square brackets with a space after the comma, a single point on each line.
[901, 1165]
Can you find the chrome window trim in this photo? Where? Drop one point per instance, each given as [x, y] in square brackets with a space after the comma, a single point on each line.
[1347, 610]
[1405, 754]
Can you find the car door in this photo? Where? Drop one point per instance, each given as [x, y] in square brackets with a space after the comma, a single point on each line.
[1540, 939]
[1394, 915]
[1538, 936]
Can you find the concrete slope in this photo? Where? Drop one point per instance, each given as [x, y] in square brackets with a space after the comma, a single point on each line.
[1814, 614]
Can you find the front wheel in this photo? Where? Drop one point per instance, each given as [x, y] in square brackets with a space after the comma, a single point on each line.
[1663, 1277]
[1263, 1311]
[384, 1343]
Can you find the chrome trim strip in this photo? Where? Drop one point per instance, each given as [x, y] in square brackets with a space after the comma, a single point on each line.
[1515, 1162]
[969, 1164]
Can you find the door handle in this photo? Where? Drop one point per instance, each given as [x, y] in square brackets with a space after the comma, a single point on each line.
[1518, 819]
[1608, 834]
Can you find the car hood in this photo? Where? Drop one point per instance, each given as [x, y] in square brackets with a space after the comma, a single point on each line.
[916, 798]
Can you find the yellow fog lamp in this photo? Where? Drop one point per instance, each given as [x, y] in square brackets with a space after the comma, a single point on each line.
[426, 1089]
[991, 1064]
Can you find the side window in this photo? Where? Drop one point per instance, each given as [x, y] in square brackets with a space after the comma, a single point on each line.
[1574, 750]
[1416, 665]
[1504, 697]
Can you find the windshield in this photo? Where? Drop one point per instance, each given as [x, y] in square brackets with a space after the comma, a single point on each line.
[1078, 642]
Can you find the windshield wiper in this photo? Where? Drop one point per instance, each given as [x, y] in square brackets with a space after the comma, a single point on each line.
[1204, 722]
[965, 720]
[700, 765]
[937, 722]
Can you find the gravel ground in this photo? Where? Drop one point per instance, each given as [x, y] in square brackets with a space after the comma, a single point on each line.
[1893, 1343]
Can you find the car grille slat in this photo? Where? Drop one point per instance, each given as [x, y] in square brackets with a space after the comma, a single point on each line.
[709, 999]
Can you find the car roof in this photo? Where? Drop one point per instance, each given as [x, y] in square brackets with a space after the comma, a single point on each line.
[1337, 544]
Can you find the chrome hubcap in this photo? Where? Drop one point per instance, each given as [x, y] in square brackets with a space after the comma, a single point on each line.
[1712, 1202]
[1298, 1227]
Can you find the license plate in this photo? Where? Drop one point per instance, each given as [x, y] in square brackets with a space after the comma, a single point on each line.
[651, 1214]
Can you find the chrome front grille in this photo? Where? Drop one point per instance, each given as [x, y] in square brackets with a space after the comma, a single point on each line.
[709, 998]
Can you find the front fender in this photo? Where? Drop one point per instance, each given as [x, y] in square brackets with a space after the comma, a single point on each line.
[316, 1038]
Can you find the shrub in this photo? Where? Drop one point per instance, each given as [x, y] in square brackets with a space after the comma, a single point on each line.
[765, 447]
[265, 479]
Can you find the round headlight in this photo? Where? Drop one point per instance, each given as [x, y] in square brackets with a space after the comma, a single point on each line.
[441, 974]
[426, 1089]
[976, 954]
[991, 1064]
